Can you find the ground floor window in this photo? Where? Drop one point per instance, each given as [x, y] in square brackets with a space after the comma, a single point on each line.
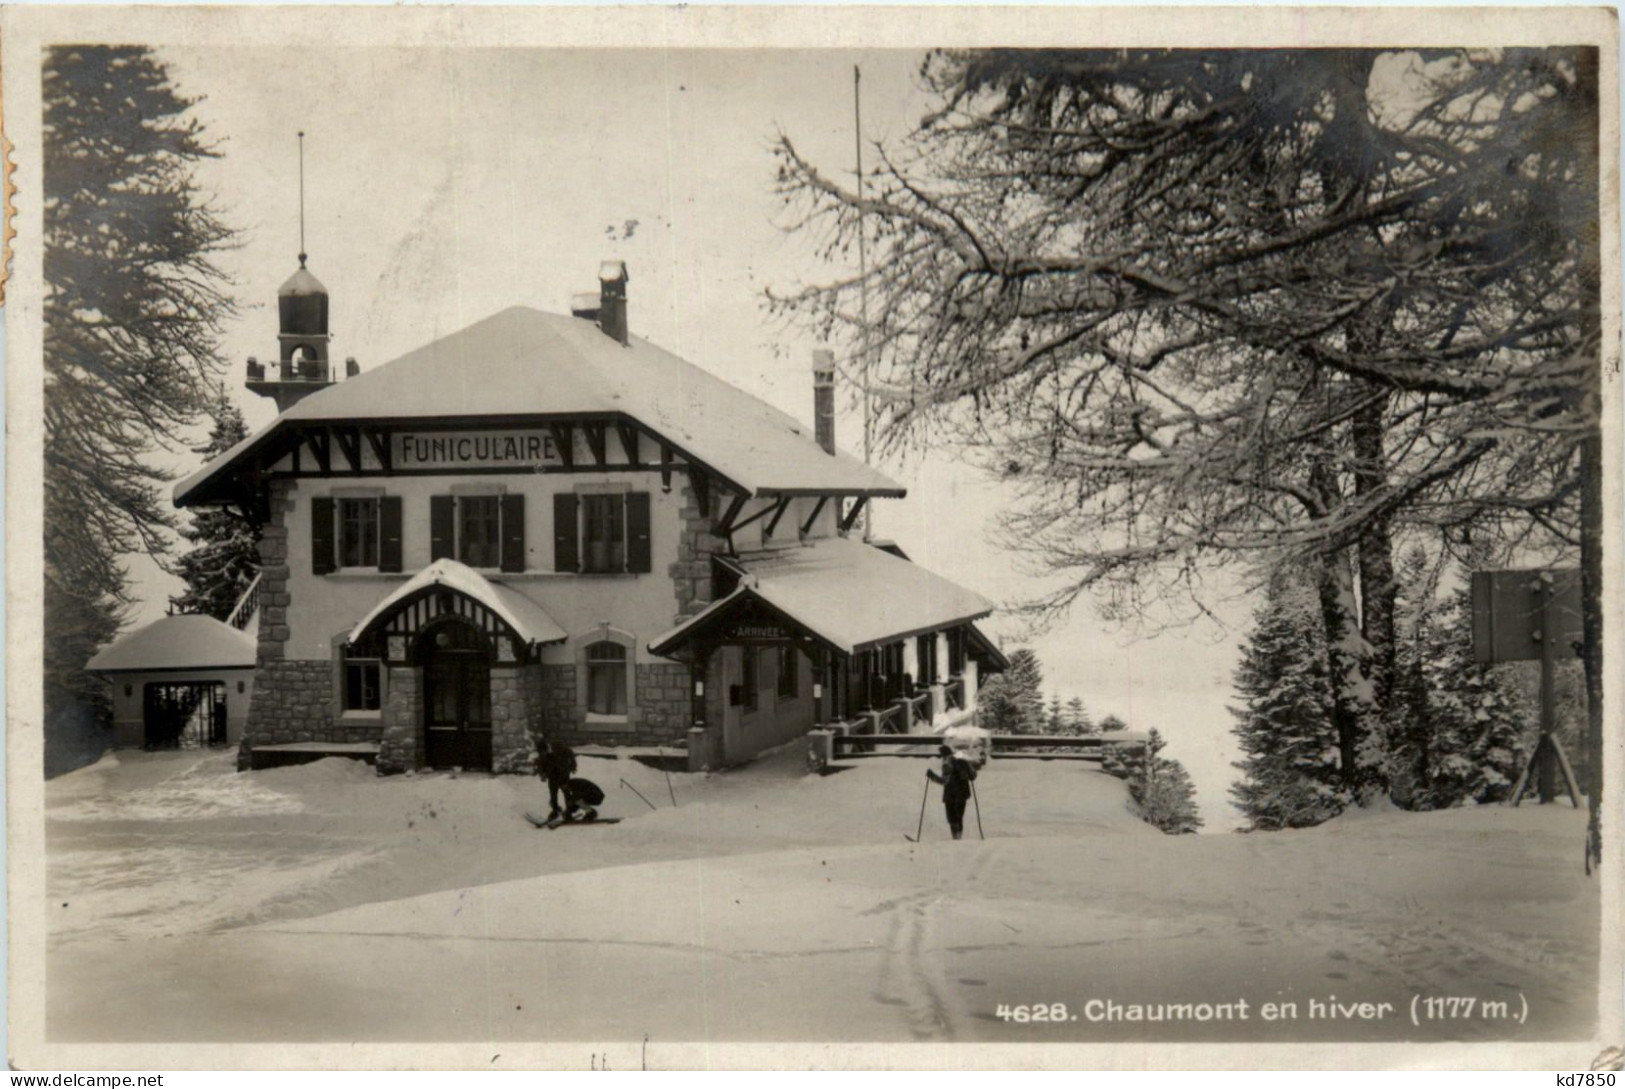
[362, 684]
[789, 673]
[749, 677]
[606, 679]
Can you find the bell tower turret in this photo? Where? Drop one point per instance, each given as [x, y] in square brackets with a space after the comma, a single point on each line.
[303, 366]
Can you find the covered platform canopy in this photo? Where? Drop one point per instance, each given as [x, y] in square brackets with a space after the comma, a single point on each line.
[177, 643]
[874, 624]
[447, 588]
[842, 594]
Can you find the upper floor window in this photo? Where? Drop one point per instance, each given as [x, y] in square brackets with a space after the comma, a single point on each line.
[479, 541]
[483, 530]
[601, 532]
[355, 531]
[358, 533]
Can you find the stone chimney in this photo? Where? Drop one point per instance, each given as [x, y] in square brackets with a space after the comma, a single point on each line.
[612, 280]
[824, 398]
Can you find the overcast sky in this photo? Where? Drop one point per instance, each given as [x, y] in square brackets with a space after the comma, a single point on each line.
[443, 186]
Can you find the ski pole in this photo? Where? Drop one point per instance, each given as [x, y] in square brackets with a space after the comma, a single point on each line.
[669, 789]
[920, 831]
[638, 792]
[978, 805]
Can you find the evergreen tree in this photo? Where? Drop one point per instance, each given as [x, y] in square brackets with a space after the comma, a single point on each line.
[1290, 774]
[1077, 718]
[1112, 724]
[224, 558]
[1012, 702]
[1478, 739]
[132, 313]
[1054, 723]
[1162, 790]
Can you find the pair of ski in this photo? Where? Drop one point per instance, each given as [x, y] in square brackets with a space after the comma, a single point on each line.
[560, 822]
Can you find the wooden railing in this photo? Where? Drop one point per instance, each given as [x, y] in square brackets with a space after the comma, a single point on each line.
[247, 607]
[1091, 749]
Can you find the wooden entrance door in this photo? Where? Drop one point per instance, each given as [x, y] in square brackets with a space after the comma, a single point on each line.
[457, 699]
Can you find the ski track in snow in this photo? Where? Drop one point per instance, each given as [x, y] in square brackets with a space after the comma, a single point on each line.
[773, 904]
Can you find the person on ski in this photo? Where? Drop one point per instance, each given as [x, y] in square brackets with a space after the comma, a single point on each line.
[557, 765]
[955, 777]
[581, 799]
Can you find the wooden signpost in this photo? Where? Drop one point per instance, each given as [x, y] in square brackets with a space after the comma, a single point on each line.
[1524, 615]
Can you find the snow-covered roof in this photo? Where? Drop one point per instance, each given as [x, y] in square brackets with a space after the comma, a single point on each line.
[849, 594]
[523, 362]
[175, 643]
[528, 619]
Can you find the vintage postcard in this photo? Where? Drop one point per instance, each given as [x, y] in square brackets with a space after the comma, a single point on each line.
[813, 537]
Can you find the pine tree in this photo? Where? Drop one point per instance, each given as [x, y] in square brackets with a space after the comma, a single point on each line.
[1290, 774]
[132, 315]
[1162, 789]
[1479, 739]
[1077, 718]
[1112, 724]
[1012, 702]
[1054, 723]
[224, 558]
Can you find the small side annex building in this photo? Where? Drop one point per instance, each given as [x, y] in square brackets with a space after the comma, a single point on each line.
[543, 526]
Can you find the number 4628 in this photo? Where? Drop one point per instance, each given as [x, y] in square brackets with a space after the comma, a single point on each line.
[1055, 1011]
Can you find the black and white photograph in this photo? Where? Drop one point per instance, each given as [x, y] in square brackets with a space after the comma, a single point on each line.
[671, 538]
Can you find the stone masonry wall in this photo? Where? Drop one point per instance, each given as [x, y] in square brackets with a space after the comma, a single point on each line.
[691, 574]
[662, 716]
[514, 708]
[400, 747]
[691, 578]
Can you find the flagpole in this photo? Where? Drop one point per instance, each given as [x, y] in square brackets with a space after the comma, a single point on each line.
[863, 294]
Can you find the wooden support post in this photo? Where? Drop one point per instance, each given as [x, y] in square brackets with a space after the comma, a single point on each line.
[818, 508]
[564, 443]
[381, 450]
[778, 512]
[1546, 770]
[818, 685]
[630, 441]
[852, 515]
[595, 443]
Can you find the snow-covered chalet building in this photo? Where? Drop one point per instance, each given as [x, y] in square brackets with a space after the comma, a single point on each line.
[542, 526]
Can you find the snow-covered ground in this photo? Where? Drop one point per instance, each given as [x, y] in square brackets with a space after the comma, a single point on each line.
[189, 902]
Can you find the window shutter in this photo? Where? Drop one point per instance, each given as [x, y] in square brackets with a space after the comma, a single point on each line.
[513, 532]
[321, 534]
[389, 533]
[566, 540]
[637, 532]
[442, 529]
